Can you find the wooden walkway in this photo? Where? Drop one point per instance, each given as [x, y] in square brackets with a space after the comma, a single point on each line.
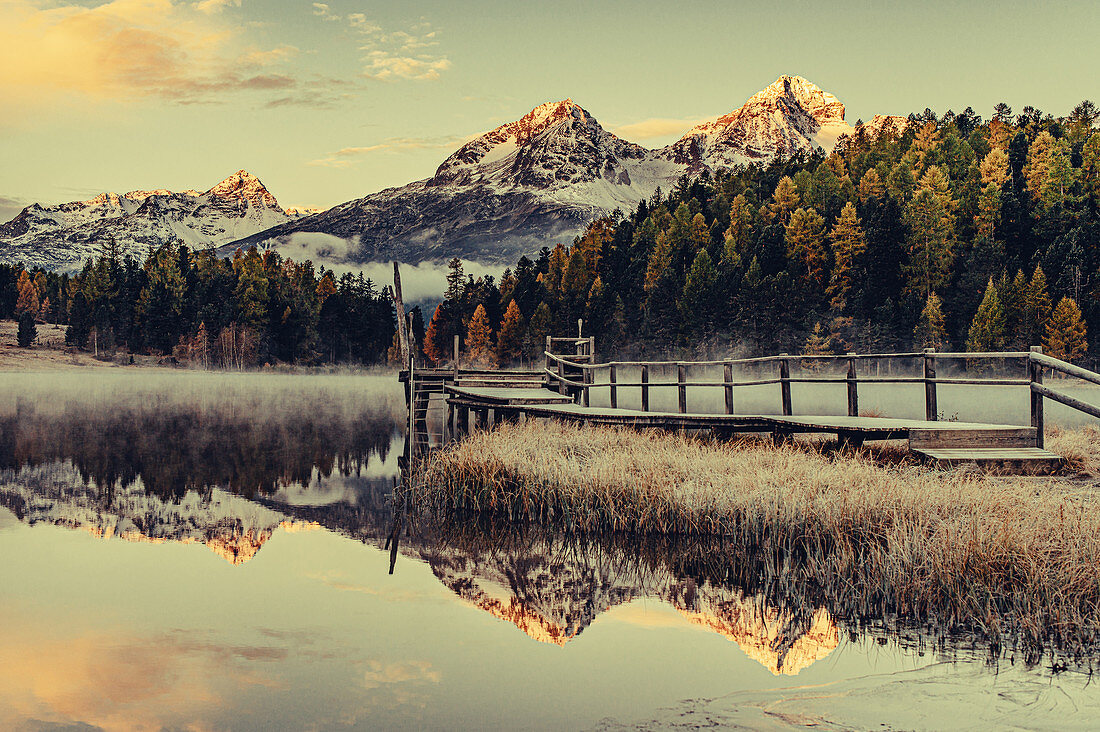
[481, 398]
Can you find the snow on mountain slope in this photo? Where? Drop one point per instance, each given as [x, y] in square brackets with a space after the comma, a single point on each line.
[510, 191]
[61, 237]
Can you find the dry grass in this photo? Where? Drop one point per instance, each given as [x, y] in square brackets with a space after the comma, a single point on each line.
[1013, 559]
[1080, 448]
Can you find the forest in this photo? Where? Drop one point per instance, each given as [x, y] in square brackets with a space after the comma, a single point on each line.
[953, 232]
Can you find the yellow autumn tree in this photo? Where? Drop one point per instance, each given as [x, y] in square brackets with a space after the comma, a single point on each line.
[510, 341]
[1065, 332]
[479, 338]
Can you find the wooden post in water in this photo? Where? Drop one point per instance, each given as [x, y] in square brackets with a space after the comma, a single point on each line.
[399, 306]
[612, 377]
[931, 407]
[681, 383]
[1036, 373]
[727, 378]
[853, 395]
[785, 384]
[645, 387]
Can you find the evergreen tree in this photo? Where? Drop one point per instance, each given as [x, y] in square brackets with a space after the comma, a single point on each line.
[805, 235]
[27, 332]
[27, 301]
[930, 242]
[930, 331]
[1065, 332]
[537, 330]
[987, 330]
[818, 343]
[697, 300]
[479, 337]
[438, 339]
[1036, 308]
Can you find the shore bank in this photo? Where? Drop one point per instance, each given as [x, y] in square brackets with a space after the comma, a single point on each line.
[866, 534]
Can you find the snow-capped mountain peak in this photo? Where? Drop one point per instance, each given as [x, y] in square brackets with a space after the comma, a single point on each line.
[245, 186]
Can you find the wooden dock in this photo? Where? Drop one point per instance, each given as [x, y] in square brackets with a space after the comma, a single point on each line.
[563, 389]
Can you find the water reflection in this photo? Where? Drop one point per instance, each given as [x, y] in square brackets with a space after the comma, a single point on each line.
[300, 626]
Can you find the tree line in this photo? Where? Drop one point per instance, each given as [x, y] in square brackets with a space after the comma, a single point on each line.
[249, 309]
[952, 232]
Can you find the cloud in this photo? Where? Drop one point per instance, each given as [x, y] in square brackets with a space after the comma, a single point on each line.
[401, 54]
[214, 6]
[346, 157]
[132, 49]
[10, 208]
[648, 129]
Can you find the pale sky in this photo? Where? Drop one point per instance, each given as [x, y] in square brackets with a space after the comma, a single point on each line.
[327, 102]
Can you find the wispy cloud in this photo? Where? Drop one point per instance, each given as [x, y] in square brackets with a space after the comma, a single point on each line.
[349, 156]
[392, 55]
[129, 49]
[648, 129]
[10, 208]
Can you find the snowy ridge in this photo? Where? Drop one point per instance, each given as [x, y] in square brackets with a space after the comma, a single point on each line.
[61, 237]
[507, 192]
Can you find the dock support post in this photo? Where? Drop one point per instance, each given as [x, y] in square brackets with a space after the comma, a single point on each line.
[681, 383]
[612, 378]
[785, 384]
[931, 407]
[1036, 372]
[645, 387]
[449, 422]
[727, 378]
[463, 421]
[853, 395]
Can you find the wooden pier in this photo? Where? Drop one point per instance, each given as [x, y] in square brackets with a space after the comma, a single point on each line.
[571, 383]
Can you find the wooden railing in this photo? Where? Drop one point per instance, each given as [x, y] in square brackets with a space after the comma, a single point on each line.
[574, 374]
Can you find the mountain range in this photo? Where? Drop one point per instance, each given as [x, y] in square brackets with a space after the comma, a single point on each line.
[510, 191]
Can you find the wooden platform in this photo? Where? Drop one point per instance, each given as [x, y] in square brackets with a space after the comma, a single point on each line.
[1008, 447]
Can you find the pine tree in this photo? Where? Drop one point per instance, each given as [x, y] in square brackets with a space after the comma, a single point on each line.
[27, 331]
[1065, 332]
[1036, 310]
[930, 241]
[479, 337]
[537, 330]
[510, 341]
[697, 299]
[930, 331]
[848, 245]
[987, 330]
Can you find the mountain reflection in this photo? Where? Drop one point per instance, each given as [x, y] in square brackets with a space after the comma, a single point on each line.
[550, 587]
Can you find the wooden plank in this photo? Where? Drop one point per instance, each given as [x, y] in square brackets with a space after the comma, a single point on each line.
[727, 378]
[1035, 369]
[1089, 409]
[853, 395]
[931, 407]
[973, 437]
[612, 376]
[785, 384]
[681, 388]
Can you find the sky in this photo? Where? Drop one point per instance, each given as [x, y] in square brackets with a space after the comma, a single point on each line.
[330, 101]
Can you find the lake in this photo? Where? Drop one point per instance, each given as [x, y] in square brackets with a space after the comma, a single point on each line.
[189, 551]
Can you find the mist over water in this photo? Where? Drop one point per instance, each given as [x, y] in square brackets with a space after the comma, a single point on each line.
[185, 549]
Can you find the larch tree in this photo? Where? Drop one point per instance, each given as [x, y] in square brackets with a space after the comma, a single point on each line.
[849, 244]
[438, 338]
[27, 301]
[1065, 336]
[819, 342]
[987, 329]
[510, 341]
[930, 241]
[785, 200]
[805, 235]
[930, 331]
[479, 338]
[871, 186]
[739, 235]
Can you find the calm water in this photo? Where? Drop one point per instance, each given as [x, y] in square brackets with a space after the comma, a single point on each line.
[187, 551]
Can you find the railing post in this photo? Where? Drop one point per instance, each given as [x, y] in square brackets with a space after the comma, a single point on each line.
[591, 349]
[612, 377]
[548, 364]
[681, 385]
[727, 377]
[931, 408]
[785, 384]
[562, 389]
[853, 395]
[645, 387]
[586, 379]
[1036, 372]
[456, 358]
